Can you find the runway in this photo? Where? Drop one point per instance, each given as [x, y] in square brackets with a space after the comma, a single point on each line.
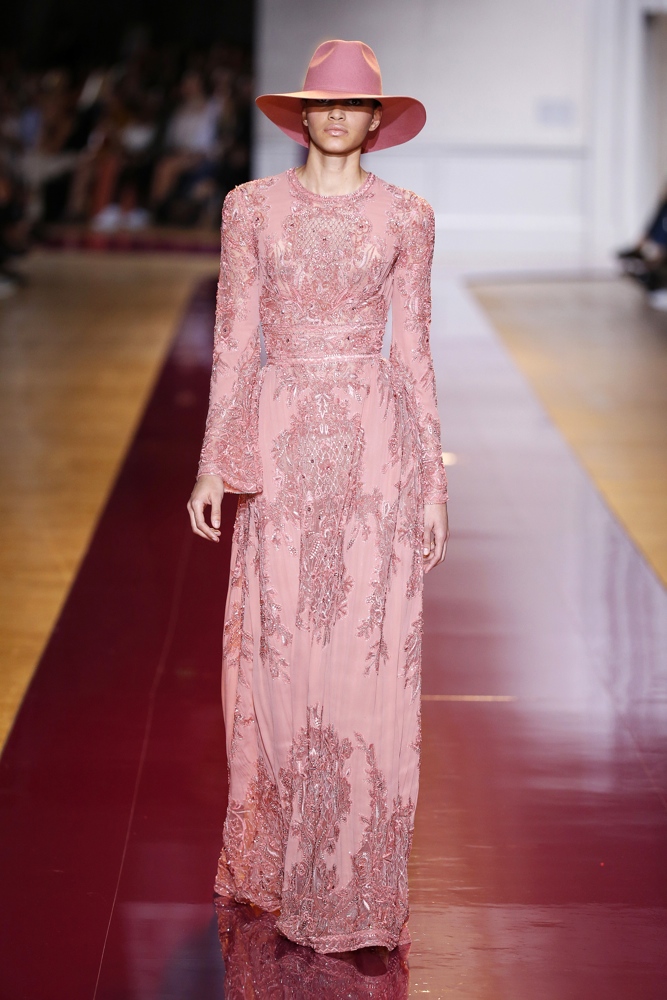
[80, 349]
[538, 863]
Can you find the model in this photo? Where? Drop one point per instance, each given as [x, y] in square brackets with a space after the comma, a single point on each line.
[335, 453]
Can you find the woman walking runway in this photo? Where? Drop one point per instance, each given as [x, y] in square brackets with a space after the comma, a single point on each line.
[335, 452]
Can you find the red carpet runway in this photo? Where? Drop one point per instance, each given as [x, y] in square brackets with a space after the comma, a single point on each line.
[539, 869]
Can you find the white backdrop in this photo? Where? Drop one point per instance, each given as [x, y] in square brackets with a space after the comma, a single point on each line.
[534, 153]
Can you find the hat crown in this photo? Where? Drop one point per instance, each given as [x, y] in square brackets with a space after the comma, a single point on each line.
[346, 67]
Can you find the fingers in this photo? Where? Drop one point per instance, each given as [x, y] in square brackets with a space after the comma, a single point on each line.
[436, 534]
[216, 504]
[428, 540]
[197, 522]
[196, 506]
[432, 547]
[440, 550]
[437, 552]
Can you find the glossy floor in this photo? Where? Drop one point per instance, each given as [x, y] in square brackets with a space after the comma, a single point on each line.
[538, 865]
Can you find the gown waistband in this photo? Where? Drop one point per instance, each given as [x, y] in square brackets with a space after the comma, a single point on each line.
[291, 359]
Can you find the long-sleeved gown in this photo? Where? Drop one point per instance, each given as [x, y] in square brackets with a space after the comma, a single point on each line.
[333, 449]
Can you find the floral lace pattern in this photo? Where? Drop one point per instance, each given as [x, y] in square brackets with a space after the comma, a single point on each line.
[334, 450]
[317, 462]
[247, 870]
[372, 907]
[413, 656]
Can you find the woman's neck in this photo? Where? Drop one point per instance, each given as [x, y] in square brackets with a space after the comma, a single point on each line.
[329, 175]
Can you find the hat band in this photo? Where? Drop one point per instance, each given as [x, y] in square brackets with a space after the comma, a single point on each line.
[331, 90]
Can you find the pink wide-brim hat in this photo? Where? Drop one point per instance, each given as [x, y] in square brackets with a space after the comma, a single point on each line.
[342, 70]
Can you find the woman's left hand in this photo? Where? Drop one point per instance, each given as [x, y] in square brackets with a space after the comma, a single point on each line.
[436, 533]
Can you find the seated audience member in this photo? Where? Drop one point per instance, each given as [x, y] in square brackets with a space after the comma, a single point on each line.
[189, 163]
[14, 229]
[646, 262]
[113, 179]
[52, 149]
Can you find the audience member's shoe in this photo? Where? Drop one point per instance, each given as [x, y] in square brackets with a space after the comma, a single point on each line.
[8, 286]
[658, 299]
[136, 218]
[108, 219]
[630, 254]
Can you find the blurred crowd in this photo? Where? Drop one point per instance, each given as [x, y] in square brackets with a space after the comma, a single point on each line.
[156, 139]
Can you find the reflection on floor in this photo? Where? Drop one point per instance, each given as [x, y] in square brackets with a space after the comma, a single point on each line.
[597, 356]
[259, 962]
[538, 863]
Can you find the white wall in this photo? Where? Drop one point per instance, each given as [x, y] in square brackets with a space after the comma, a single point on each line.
[656, 105]
[532, 153]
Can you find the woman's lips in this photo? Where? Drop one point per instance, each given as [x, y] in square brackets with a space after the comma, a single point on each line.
[335, 130]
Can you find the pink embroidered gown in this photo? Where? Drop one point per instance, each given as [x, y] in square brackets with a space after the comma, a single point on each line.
[334, 450]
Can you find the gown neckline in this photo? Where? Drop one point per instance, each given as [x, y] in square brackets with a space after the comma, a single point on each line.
[311, 195]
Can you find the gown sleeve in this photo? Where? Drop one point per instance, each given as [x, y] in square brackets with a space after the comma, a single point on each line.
[410, 348]
[231, 445]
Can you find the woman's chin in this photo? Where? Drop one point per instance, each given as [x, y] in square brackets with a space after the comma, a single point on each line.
[336, 145]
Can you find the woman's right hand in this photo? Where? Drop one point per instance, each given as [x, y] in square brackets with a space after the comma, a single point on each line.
[208, 492]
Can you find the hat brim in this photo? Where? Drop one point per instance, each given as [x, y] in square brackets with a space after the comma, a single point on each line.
[402, 117]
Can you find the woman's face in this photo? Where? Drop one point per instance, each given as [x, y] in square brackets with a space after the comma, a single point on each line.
[339, 126]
